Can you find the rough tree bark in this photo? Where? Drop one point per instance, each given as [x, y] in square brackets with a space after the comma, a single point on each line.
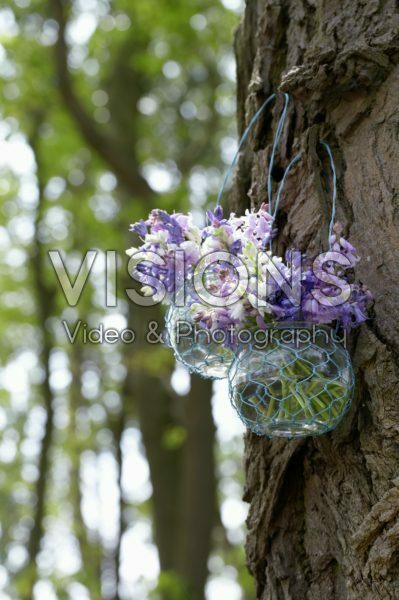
[324, 514]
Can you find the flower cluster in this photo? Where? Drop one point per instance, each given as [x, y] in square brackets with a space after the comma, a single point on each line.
[172, 246]
[162, 236]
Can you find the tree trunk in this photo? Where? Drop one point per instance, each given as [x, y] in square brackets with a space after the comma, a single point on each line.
[324, 515]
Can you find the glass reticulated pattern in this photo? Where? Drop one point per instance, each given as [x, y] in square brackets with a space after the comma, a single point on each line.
[195, 348]
[292, 389]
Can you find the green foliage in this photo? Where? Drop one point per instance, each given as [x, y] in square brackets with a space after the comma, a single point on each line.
[174, 437]
[153, 80]
[170, 587]
[158, 363]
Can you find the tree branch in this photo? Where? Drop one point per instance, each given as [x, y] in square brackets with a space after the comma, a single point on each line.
[105, 145]
[44, 302]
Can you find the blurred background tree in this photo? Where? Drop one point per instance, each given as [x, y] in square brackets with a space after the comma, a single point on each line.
[112, 482]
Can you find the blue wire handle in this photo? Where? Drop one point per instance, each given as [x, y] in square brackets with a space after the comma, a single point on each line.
[244, 138]
[276, 141]
[281, 186]
[334, 191]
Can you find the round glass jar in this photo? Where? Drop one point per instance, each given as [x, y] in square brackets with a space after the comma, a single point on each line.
[300, 383]
[197, 348]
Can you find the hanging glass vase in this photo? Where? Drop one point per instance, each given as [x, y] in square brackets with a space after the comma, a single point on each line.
[197, 348]
[301, 384]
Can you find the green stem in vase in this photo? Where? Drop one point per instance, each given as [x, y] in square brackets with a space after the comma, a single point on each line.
[316, 401]
[271, 408]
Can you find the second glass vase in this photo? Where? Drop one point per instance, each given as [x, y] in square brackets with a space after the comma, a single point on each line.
[300, 384]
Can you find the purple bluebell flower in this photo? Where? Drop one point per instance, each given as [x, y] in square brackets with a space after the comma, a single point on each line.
[160, 220]
[140, 228]
[215, 217]
[236, 247]
[243, 237]
[340, 244]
